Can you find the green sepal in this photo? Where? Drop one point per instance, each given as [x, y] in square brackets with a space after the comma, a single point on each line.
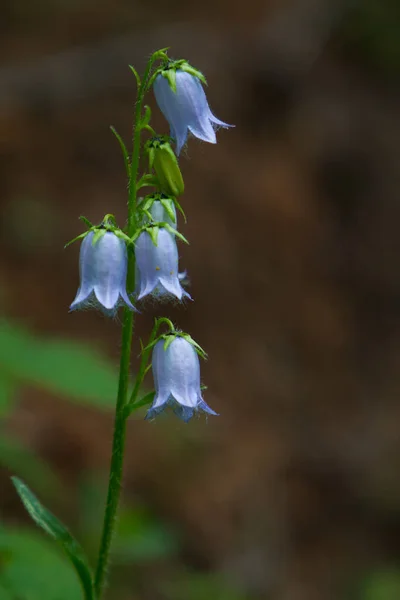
[192, 71]
[179, 207]
[153, 228]
[168, 227]
[88, 224]
[122, 236]
[170, 75]
[78, 237]
[108, 224]
[195, 345]
[98, 234]
[168, 341]
[166, 203]
[53, 527]
[171, 66]
[169, 337]
[153, 231]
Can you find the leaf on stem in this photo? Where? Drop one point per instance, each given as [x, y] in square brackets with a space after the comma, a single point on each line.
[136, 74]
[124, 150]
[146, 117]
[51, 525]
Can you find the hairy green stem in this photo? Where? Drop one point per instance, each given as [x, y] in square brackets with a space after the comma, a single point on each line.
[117, 458]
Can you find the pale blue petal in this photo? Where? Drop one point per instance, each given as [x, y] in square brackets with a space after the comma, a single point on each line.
[158, 265]
[203, 406]
[103, 269]
[83, 294]
[172, 110]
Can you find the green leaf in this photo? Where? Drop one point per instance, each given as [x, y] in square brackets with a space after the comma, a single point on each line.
[124, 150]
[136, 74]
[32, 569]
[59, 366]
[51, 525]
[146, 117]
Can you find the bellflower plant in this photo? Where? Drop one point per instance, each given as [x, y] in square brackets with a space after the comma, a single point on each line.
[182, 100]
[119, 265]
[176, 372]
[103, 265]
[157, 263]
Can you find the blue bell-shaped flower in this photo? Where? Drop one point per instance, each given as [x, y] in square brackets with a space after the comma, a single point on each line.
[176, 373]
[103, 268]
[157, 266]
[186, 107]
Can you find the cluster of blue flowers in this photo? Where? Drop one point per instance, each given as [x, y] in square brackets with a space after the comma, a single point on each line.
[105, 248]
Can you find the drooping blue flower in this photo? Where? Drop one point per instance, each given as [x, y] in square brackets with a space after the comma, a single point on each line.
[186, 109]
[176, 373]
[158, 266]
[103, 268]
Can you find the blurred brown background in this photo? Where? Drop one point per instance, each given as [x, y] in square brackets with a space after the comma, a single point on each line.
[293, 493]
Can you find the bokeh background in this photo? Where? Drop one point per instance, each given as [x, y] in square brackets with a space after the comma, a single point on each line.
[293, 493]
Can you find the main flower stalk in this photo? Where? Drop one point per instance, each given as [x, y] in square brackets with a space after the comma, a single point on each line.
[117, 458]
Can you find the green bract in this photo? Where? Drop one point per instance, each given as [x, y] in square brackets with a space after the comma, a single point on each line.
[170, 67]
[108, 224]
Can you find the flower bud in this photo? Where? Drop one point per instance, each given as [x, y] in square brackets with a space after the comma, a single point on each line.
[165, 164]
[103, 264]
[176, 372]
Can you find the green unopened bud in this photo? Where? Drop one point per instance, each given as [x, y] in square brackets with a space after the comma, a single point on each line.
[162, 158]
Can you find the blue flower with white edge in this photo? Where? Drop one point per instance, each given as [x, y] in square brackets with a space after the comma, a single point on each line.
[182, 100]
[176, 373]
[157, 266]
[103, 264]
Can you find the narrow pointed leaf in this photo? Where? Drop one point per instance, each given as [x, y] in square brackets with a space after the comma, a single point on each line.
[147, 116]
[51, 525]
[136, 74]
[147, 399]
[124, 150]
